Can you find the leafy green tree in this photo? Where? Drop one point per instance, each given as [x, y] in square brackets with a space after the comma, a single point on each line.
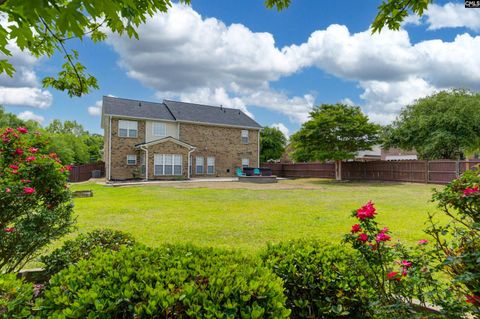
[67, 127]
[43, 28]
[11, 120]
[94, 144]
[445, 125]
[272, 144]
[334, 133]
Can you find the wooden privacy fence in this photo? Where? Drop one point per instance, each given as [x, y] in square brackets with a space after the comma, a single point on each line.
[437, 172]
[81, 173]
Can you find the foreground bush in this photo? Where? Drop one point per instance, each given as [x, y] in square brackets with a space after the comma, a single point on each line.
[457, 244]
[83, 246]
[321, 281]
[16, 297]
[35, 201]
[168, 282]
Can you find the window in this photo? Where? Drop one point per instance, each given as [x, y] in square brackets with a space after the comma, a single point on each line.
[167, 164]
[159, 129]
[245, 136]
[127, 128]
[131, 159]
[177, 164]
[245, 162]
[199, 164]
[210, 165]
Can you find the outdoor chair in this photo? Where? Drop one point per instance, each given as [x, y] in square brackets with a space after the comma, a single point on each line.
[256, 172]
[239, 172]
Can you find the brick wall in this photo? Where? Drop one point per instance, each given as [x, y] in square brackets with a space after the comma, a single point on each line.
[123, 146]
[224, 143]
[167, 148]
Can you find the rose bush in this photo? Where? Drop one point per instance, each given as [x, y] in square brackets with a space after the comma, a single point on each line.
[457, 243]
[35, 200]
[403, 277]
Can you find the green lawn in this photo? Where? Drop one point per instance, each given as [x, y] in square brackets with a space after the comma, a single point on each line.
[224, 215]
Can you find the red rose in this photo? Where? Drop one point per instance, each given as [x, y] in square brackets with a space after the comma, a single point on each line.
[393, 275]
[470, 190]
[7, 190]
[474, 300]
[9, 229]
[14, 167]
[406, 263]
[366, 211]
[19, 151]
[22, 130]
[69, 167]
[356, 228]
[382, 237]
[33, 150]
[28, 190]
[363, 237]
[30, 158]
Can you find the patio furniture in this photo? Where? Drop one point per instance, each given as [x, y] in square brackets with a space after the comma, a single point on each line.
[256, 172]
[248, 171]
[239, 172]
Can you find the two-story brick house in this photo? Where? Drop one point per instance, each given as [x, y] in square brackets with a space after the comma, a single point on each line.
[172, 140]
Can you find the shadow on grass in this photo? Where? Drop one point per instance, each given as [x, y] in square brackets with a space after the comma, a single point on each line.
[350, 183]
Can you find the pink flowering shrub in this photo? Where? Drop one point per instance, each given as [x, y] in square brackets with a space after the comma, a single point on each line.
[401, 276]
[35, 202]
[457, 243]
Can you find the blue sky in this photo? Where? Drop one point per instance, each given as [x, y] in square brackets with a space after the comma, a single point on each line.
[273, 65]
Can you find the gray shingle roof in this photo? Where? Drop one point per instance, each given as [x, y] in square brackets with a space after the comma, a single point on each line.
[135, 108]
[177, 111]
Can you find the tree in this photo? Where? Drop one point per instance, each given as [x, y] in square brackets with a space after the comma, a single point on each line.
[35, 200]
[43, 28]
[445, 125]
[334, 133]
[272, 144]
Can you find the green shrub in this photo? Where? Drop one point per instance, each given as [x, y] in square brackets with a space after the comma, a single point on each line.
[167, 282]
[83, 246]
[15, 297]
[321, 281]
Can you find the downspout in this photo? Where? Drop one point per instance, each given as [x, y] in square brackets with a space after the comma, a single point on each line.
[189, 162]
[258, 148]
[110, 149]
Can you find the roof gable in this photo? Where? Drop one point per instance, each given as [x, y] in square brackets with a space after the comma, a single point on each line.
[177, 111]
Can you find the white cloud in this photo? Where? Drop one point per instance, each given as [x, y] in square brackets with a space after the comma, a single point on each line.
[25, 96]
[182, 55]
[28, 115]
[282, 129]
[96, 109]
[347, 101]
[452, 15]
[23, 88]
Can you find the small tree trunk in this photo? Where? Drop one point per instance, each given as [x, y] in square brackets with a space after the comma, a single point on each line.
[338, 170]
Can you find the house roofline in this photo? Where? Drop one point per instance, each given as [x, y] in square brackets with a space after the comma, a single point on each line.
[166, 139]
[183, 121]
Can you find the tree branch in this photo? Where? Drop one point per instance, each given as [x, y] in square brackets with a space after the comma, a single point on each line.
[60, 41]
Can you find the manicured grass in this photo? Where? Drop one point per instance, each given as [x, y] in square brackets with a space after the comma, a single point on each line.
[223, 215]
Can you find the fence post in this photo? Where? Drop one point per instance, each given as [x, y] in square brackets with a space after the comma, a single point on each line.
[427, 172]
[457, 168]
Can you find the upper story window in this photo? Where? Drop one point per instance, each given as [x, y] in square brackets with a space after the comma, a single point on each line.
[245, 136]
[127, 128]
[159, 129]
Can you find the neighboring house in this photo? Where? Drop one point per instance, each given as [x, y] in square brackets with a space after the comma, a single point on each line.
[397, 154]
[371, 155]
[176, 140]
